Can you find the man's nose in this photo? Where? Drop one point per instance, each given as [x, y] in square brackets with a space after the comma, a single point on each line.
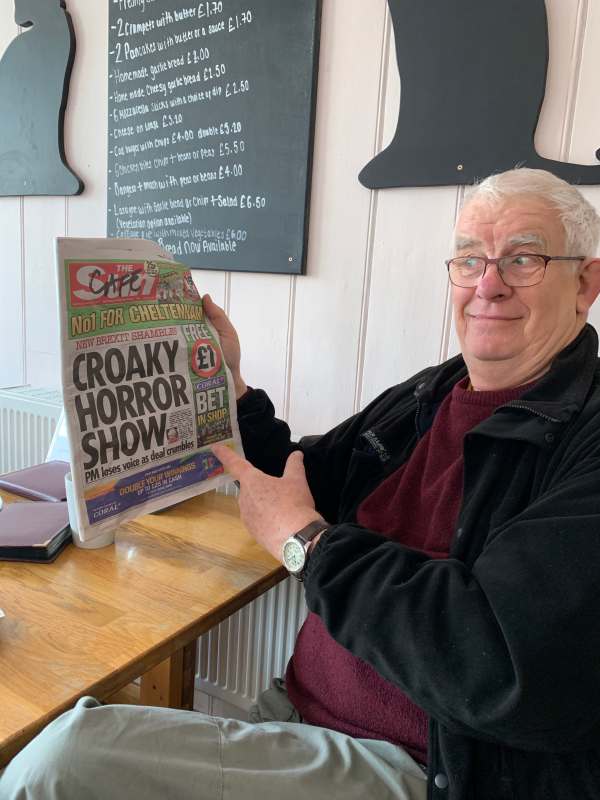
[491, 284]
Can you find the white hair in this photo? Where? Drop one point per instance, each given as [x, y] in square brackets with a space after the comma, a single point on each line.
[579, 218]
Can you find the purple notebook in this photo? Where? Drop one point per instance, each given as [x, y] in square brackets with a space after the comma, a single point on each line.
[42, 482]
[33, 531]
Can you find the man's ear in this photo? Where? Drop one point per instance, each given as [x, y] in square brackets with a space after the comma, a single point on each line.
[589, 285]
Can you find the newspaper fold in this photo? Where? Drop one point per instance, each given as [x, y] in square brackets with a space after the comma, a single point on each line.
[146, 389]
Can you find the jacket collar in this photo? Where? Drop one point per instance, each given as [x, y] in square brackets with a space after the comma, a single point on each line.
[562, 391]
[559, 394]
[554, 399]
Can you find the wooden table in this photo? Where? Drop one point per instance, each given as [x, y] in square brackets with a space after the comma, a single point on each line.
[94, 620]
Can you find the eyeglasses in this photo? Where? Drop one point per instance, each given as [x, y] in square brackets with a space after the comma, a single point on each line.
[521, 269]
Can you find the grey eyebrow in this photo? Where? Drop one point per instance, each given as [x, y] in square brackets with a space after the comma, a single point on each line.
[522, 239]
[519, 240]
[465, 243]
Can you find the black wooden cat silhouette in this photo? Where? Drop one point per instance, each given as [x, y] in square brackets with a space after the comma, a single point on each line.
[34, 82]
[473, 78]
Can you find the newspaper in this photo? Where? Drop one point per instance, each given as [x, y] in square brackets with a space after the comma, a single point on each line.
[145, 386]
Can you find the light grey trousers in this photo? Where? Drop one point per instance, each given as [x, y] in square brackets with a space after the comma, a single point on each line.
[117, 752]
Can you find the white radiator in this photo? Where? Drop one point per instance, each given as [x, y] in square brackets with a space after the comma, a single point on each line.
[238, 658]
[28, 418]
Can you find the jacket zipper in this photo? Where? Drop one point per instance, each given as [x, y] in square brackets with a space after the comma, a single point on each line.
[417, 415]
[531, 411]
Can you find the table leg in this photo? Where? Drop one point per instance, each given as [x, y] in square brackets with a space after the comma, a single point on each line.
[171, 683]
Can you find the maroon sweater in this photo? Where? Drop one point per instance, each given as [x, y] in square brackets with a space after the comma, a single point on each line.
[417, 506]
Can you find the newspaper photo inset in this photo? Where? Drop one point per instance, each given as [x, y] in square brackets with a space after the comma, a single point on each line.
[146, 389]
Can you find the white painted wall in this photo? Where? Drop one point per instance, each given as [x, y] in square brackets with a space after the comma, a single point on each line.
[374, 306]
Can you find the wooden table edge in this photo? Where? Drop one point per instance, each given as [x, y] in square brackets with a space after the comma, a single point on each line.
[136, 668]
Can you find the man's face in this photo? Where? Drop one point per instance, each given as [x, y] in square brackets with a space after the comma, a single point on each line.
[515, 329]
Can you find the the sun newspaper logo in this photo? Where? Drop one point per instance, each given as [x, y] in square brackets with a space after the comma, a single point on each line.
[92, 284]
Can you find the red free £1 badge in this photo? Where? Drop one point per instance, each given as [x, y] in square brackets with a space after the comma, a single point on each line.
[206, 359]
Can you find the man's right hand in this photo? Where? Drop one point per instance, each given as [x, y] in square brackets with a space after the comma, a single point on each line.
[230, 343]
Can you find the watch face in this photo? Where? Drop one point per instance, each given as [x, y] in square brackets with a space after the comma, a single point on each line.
[294, 556]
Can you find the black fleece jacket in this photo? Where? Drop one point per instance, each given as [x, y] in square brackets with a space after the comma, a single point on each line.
[500, 642]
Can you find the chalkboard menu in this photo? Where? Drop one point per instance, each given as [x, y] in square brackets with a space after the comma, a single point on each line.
[211, 118]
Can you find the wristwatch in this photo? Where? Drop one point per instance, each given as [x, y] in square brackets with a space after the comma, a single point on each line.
[295, 549]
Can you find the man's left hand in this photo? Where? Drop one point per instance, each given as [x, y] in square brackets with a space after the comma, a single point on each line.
[272, 508]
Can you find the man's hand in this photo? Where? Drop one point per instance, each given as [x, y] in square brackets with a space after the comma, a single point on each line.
[272, 508]
[230, 343]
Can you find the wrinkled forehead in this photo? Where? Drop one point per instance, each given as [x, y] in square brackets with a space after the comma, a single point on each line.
[513, 221]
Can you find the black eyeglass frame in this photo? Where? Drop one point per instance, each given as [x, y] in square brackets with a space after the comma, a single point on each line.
[497, 261]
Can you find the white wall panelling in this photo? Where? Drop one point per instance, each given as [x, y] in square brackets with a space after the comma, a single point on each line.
[85, 130]
[585, 138]
[329, 299]
[373, 307]
[408, 285]
[565, 21]
[43, 219]
[263, 313]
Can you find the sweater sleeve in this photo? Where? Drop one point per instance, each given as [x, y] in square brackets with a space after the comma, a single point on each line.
[507, 651]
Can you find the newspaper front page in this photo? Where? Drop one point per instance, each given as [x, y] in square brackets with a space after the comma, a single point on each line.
[145, 385]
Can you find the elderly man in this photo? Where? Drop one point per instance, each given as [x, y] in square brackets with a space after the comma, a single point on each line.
[449, 539]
